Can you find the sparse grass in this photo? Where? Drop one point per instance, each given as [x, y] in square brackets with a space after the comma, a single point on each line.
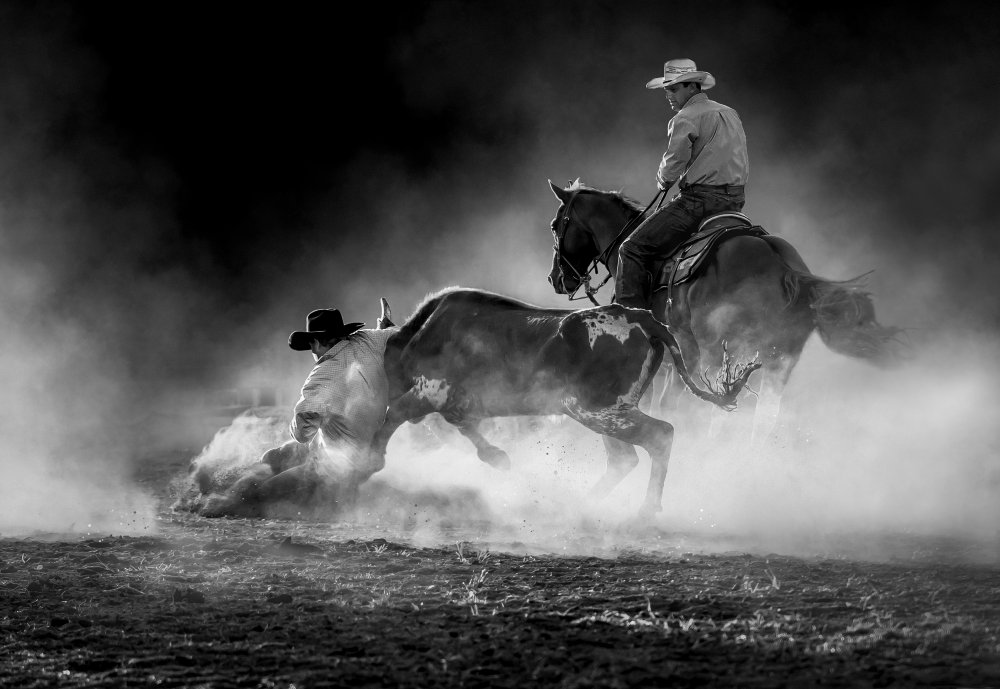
[179, 606]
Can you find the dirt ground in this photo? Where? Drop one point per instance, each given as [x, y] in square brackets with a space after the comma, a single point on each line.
[271, 603]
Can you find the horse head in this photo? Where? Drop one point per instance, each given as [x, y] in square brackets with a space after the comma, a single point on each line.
[587, 229]
[574, 247]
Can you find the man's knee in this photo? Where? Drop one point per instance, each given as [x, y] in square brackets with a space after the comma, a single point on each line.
[626, 254]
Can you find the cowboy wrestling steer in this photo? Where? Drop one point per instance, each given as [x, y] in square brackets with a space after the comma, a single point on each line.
[470, 354]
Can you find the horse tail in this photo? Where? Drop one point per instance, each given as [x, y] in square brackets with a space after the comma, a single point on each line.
[732, 379]
[842, 311]
[844, 314]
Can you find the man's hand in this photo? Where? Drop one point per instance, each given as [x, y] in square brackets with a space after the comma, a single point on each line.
[662, 184]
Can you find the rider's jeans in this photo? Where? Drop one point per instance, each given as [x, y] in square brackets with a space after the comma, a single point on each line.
[660, 234]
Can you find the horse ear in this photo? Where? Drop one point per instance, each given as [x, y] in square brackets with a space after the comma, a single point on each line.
[561, 194]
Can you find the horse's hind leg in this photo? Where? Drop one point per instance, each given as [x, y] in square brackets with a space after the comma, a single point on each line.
[629, 425]
[772, 383]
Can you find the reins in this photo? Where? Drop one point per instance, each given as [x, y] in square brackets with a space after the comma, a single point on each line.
[584, 278]
[658, 200]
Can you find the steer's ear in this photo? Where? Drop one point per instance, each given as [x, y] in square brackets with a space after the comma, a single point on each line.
[561, 194]
[384, 321]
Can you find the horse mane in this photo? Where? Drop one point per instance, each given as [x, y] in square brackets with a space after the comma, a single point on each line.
[627, 202]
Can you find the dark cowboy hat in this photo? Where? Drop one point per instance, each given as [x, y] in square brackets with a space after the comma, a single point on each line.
[321, 324]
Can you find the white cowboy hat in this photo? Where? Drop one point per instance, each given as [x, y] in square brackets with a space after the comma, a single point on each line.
[681, 69]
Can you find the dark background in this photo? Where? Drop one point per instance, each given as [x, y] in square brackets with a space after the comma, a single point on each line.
[181, 183]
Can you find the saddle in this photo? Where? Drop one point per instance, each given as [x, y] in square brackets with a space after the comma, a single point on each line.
[688, 258]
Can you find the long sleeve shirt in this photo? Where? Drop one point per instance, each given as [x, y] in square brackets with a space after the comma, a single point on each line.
[345, 397]
[706, 145]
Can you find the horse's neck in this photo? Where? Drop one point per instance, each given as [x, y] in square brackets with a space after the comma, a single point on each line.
[610, 237]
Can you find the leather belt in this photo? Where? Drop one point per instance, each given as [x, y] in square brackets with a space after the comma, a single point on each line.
[724, 188]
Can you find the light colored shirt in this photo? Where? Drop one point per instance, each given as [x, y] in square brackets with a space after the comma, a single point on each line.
[706, 145]
[344, 399]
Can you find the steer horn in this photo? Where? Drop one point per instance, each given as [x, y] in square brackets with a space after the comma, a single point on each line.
[385, 320]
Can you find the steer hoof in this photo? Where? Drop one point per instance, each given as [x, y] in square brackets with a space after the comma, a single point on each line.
[496, 458]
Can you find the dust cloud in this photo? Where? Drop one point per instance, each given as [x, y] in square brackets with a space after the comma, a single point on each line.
[61, 470]
[859, 455]
[137, 332]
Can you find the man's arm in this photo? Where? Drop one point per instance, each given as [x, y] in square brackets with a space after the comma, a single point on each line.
[311, 409]
[305, 425]
[682, 134]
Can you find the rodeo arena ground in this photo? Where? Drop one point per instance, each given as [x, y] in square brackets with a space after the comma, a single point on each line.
[442, 570]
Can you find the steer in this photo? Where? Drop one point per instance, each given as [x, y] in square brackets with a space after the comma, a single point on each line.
[471, 354]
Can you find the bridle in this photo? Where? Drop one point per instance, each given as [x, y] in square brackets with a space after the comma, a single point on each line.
[583, 279]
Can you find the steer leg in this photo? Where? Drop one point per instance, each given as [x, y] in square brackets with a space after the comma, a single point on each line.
[630, 425]
[485, 450]
[622, 459]
[407, 407]
[412, 405]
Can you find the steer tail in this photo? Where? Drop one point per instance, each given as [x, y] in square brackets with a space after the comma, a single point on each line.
[736, 376]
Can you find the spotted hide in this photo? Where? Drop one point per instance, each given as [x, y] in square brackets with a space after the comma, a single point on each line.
[470, 354]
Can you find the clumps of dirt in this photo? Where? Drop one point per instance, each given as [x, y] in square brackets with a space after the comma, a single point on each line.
[233, 603]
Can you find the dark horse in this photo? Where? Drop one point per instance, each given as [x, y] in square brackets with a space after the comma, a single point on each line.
[755, 293]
